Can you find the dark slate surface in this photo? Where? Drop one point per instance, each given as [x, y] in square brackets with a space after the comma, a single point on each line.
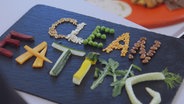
[8, 95]
[61, 89]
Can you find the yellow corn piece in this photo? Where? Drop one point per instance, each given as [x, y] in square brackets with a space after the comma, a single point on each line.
[25, 56]
[79, 75]
[38, 63]
[35, 53]
[116, 44]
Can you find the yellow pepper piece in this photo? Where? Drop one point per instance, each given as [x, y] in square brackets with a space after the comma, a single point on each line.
[38, 63]
[79, 75]
[90, 59]
[25, 56]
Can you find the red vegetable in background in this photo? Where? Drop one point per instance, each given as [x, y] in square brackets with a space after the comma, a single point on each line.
[21, 36]
[9, 40]
[2, 43]
[6, 52]
[13, 42]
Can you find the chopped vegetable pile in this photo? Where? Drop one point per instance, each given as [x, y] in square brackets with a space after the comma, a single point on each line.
[116, 44]
[99, 32]
[139, 46]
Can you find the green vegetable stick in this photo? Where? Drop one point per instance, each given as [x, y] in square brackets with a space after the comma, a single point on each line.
[60, 63]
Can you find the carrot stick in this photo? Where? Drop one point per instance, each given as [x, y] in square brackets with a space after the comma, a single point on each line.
[25, 56]
[35, 53]
[38, 63]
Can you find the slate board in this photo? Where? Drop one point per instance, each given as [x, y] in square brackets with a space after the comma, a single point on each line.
[61, 89]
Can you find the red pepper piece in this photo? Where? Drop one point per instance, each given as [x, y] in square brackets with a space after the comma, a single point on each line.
[6, 52]
[13, 42]
[21, 36]
[2, 43]
[8, 40]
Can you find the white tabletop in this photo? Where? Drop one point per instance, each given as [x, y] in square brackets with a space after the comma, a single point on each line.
[12, 10]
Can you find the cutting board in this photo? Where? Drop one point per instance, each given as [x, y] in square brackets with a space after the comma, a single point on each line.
[61, 89]
[154, 17]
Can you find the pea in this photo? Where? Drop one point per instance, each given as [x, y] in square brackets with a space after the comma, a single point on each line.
[97, 30]
[102, 28]
[107, 30]
[103, 36]
[95, 44]
[90, 43]
[97, 27]
[98, 35]
[85, 42]
[92, 36]
[111, 31]
[89, 38]
[100, 45]
[94, 32]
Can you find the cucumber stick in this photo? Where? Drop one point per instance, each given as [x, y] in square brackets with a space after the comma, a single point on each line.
[64, 48]
[156, 96]
[140, 78]
[60, 63]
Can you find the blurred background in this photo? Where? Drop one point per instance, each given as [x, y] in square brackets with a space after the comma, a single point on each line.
[159, 14]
